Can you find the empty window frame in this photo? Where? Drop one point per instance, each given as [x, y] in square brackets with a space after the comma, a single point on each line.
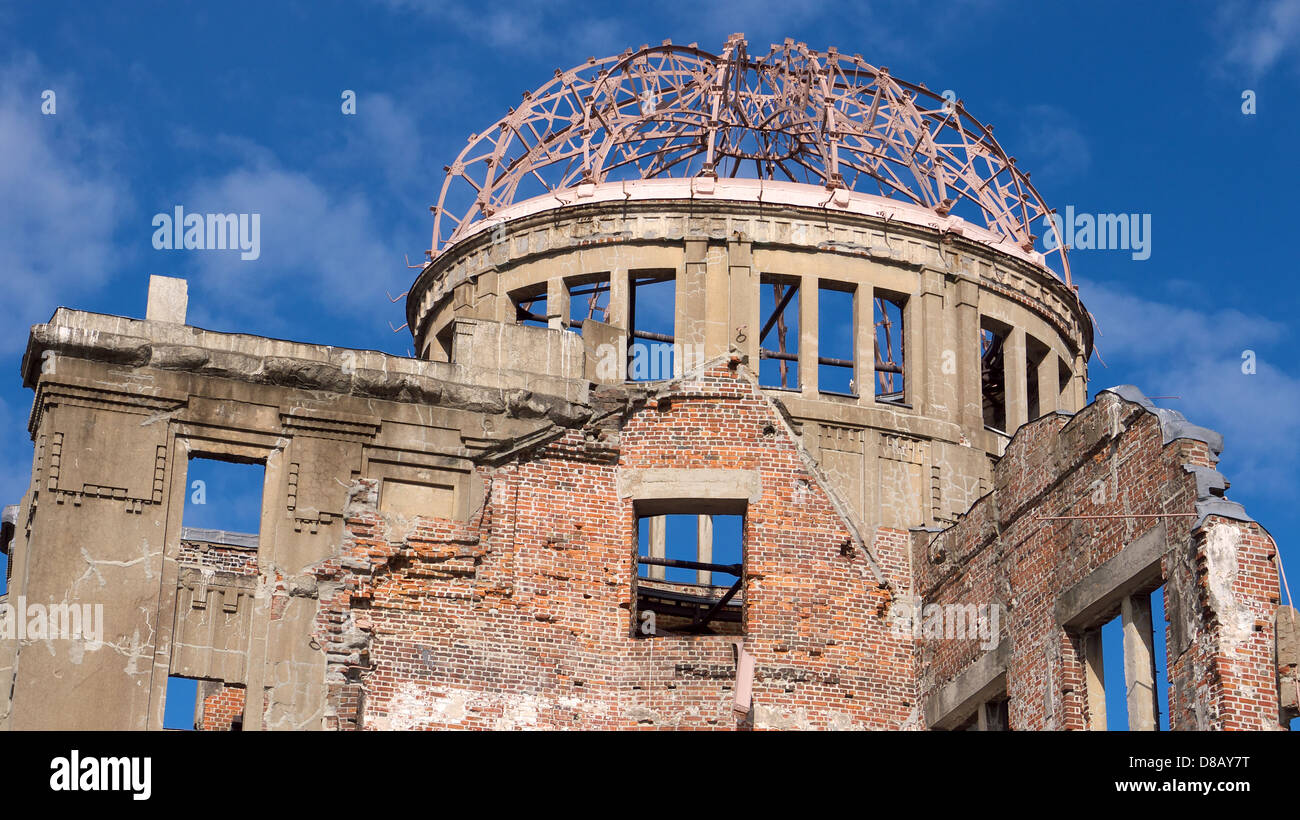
[1125, 660]
[888, 312]
[690, 575]
[993, 338]
[652, 311]
[588, 299]
[530, 305]
[778, 338]
[836, 338]
[224, 494]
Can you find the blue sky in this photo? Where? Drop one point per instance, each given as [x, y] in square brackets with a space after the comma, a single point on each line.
[1114, 107]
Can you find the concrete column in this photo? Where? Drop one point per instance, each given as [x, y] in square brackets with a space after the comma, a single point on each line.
[864, 345]
[1094, 680]
[1013, 372]
[1048, 384]
[557, 303]
[937, 396]
[619, 294]
[691, 302]
[704, 548]
[1079, 383]
[808, 330]
[743, 298]
[658, 544]
[969, 391]
[1139, 663]
[716, 312]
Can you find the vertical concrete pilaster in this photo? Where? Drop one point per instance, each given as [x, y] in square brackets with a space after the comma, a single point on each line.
[1014, 367]
[1094, 679]
[658, 544]
[1048, 384]
[743, 298]
[927, 388]
[557, 303]
[969, 391]
[1139, 662]
[691, 302]
[808, 330]
[704, 548]
[619, 294]
[864, 344]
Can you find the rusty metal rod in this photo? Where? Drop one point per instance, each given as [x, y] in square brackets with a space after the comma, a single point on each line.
[1135, 515]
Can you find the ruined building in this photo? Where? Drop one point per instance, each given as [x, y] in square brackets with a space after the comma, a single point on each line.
[784, 298]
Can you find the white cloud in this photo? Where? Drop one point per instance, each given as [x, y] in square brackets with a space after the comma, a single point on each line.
[321, 252]
[1196, 354]
[62, 208]
[1258, 36]
[1050, 137]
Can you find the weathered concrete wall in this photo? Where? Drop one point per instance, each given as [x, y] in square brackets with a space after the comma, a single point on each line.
[917, 463]
[120, 407]
[454, 544]
[1117, 463]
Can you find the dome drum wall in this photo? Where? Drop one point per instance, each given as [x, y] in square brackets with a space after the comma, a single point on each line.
[915, 459]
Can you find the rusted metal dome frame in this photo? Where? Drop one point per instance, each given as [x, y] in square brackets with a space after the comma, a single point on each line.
[794, 115]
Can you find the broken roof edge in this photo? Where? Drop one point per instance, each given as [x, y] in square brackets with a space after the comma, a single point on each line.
[1174, 426]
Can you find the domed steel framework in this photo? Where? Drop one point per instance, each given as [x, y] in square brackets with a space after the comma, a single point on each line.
[793, 115]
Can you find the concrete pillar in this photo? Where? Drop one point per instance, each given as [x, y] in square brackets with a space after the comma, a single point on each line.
[691, 304]
[1079, 383]
[936, 394]
[1139, 663]
[704, 548]
[658, 544]
[557, 303]
[1048, 384]
[1013, 372]
[969, 391]
[864, 360]
[743, 297]
[716, 295]
[808, 330]
[1094, 680]
[619, 294]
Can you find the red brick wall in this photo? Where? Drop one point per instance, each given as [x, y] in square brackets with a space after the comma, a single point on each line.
[223, 708]
[1106, 460]
[521, 617]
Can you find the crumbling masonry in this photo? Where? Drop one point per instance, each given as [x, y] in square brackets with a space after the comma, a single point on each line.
[456, 540]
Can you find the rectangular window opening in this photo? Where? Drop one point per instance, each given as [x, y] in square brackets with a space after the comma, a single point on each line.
[224, 495]
[836, 332]
[652, 319]
[690, 575]
[1146, 628]
[889, 370]
[588, 299]
[993, 337]
[778, 338]
[530, 305]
